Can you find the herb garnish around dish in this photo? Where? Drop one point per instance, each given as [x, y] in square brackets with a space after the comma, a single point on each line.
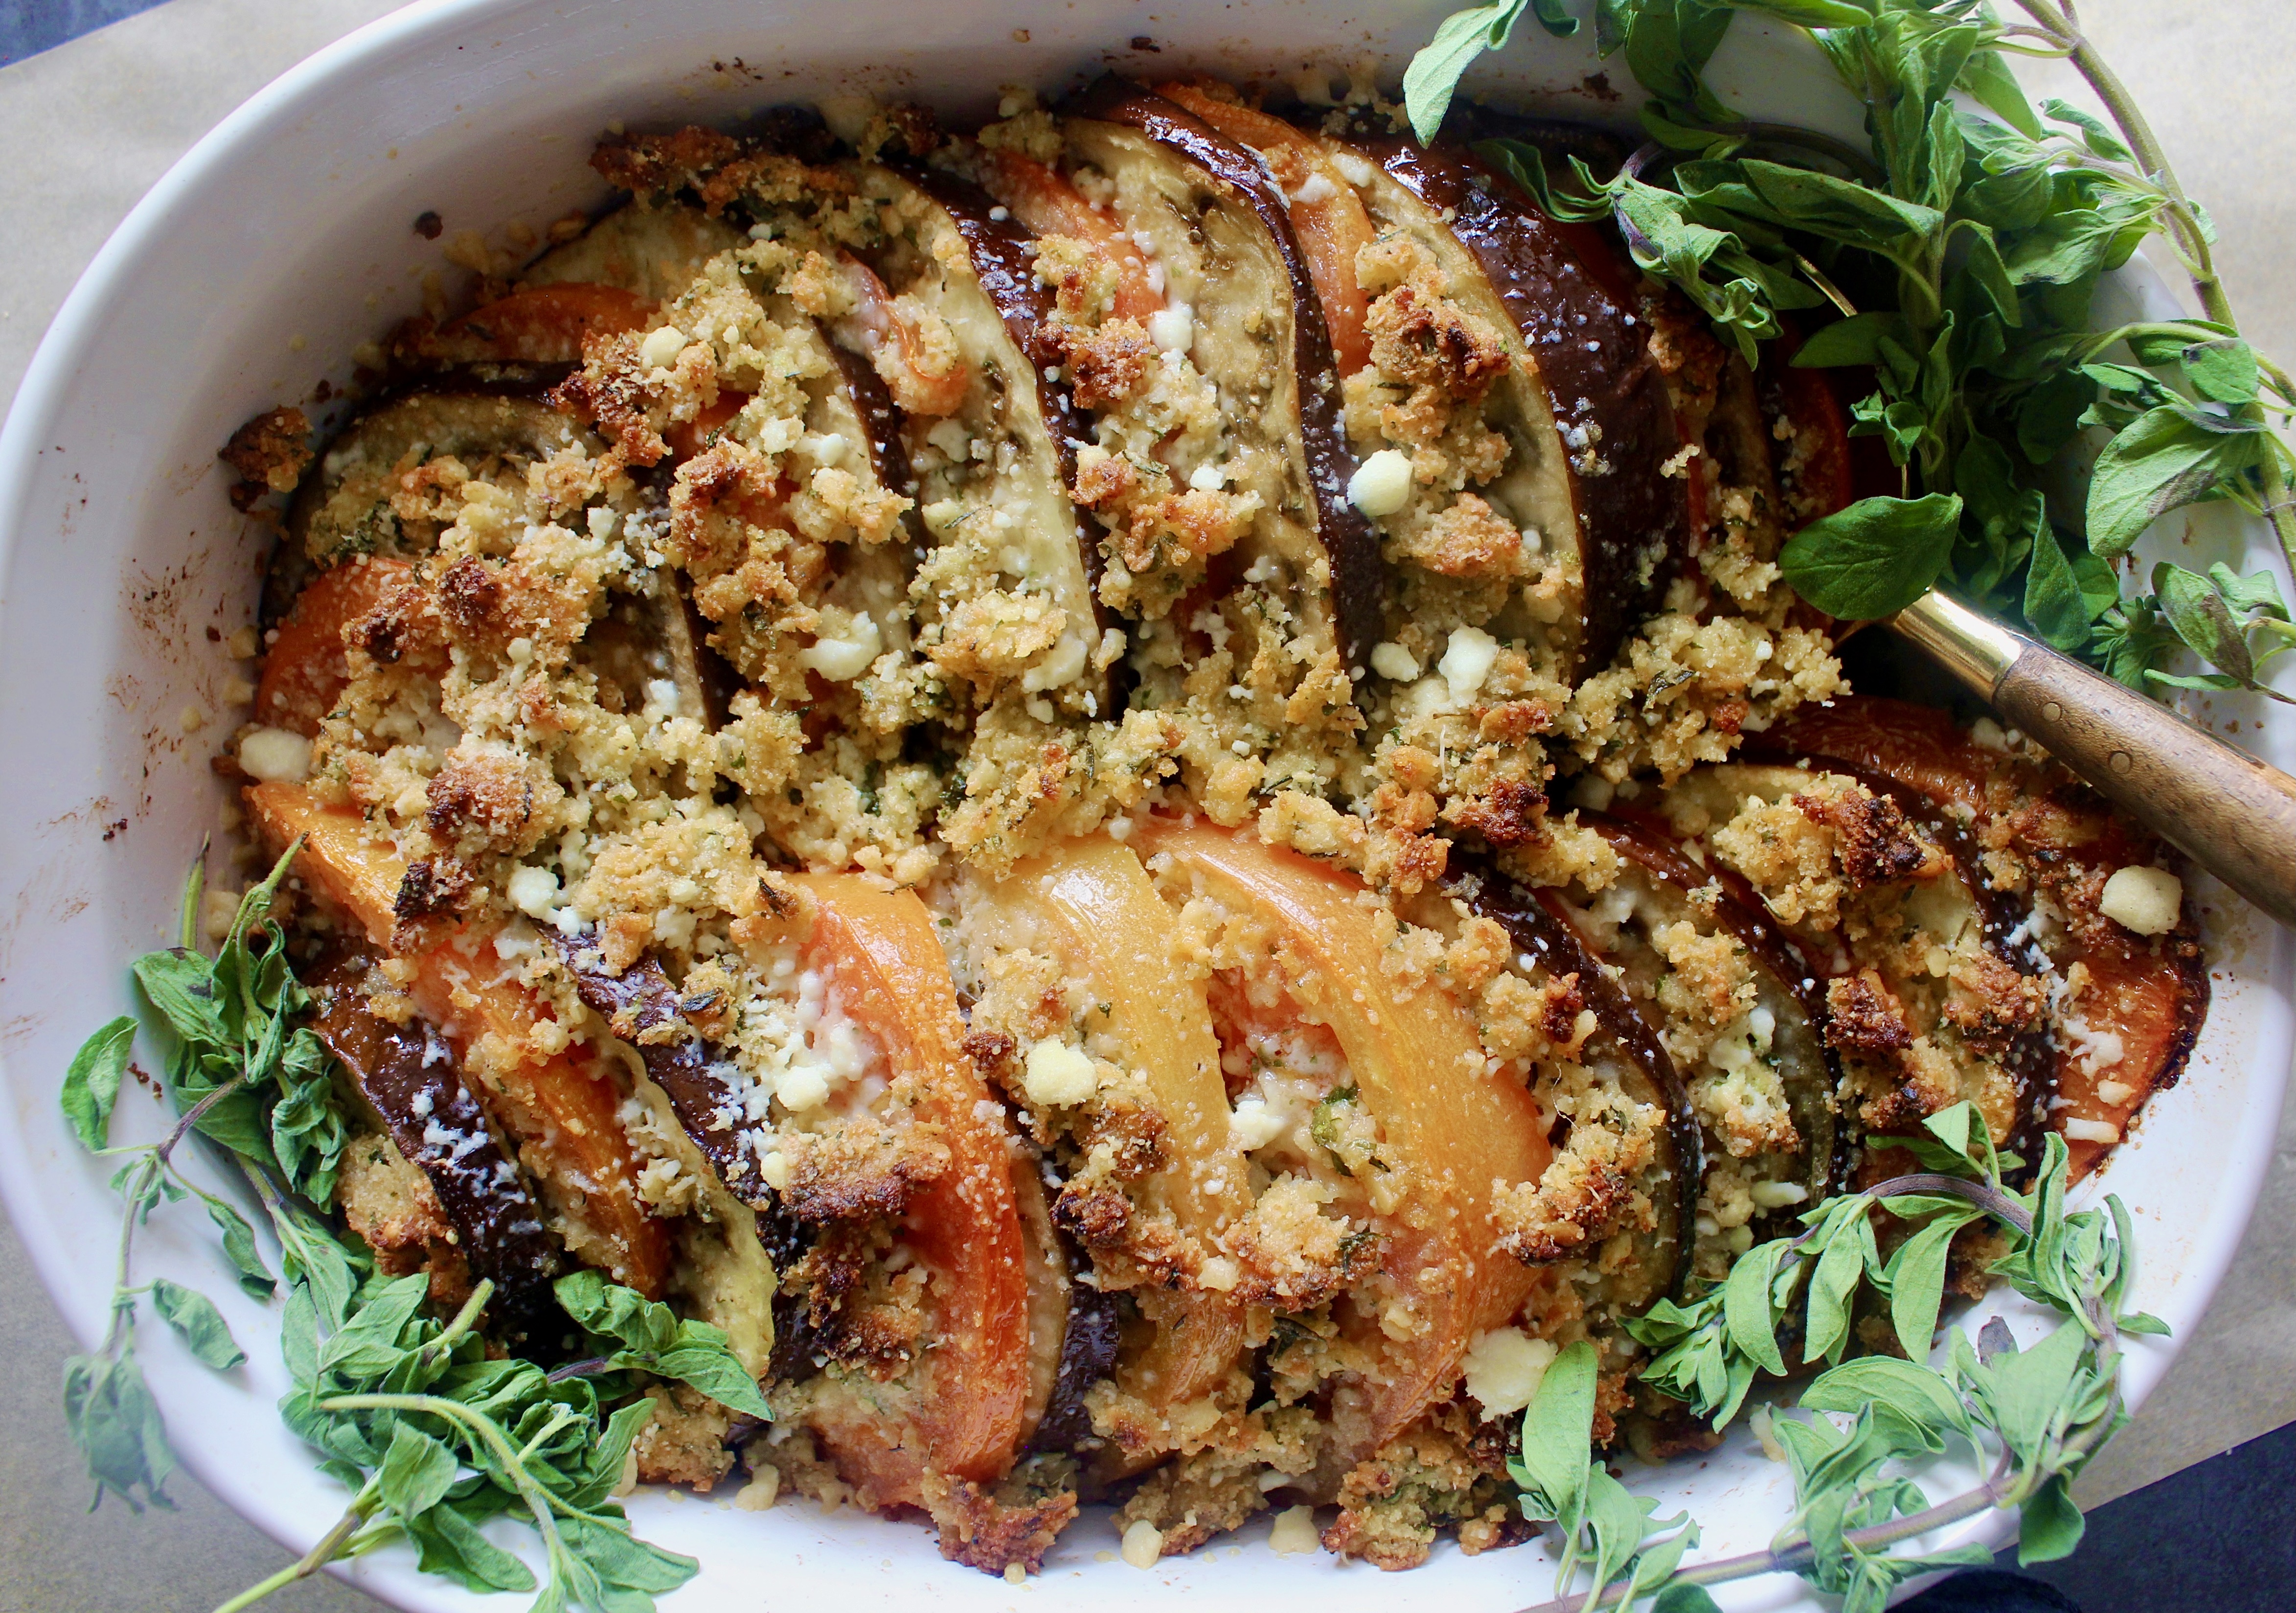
[2036, 1415]
[434, 1439]
[1962, 253]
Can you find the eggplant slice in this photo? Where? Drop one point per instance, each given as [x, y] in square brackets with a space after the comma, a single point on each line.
[1786, 1024]
[1224, 238]
[1585, 409]
[1626, 1057]
[655, 252]
[343, 507]
[991, 473]
[1916, 1033]
[409, 1078]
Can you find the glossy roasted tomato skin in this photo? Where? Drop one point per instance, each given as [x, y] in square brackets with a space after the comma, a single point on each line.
[881, 949]
[307, 664]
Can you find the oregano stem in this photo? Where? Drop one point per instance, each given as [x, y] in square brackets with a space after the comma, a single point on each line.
[2192, 239]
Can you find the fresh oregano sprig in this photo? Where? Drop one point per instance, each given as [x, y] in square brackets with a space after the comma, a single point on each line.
[236, 1064]
[2032, 1418]
[1962, 252]
[433, 1439]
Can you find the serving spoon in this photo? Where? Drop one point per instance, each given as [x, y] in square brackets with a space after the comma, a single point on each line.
[2227, 811]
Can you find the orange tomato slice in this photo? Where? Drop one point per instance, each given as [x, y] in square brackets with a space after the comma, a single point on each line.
[561, 1107]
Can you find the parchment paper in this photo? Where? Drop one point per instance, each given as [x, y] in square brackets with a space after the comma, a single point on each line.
[88, 126]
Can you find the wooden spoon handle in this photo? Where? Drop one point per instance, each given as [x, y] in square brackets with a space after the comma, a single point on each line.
[2221, 807]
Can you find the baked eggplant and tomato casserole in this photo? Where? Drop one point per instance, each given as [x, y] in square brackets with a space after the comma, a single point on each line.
[1136, 792]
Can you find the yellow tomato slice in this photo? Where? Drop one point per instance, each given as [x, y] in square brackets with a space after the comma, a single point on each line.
[1456, 1130]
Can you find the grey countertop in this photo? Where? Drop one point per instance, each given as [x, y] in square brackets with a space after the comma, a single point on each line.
[88, 126]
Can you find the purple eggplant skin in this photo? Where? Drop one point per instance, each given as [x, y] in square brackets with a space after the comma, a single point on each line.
[1567, 287]
[1093, 1331]
[1005, 261]
[1350, 543]
[1537, 925]
[880, 426]
[410, 1078]
[686, 1068]
[1645, 840]
[640, 1000]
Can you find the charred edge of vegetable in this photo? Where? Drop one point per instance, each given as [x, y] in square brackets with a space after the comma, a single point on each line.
[641, 1001]
[880, 424]
[1004, 258]
[416, 1088]
[2192, 1010]
[2029, 1060]
[483, 377]
[1089, 1337]
[1593, 354]
[289, 568]
[1647, 840]
[1560, 138]
[1358, 577]
[1536, 924]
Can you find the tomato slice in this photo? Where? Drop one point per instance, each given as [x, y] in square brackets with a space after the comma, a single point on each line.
[1043, 200]
[307, 666]
[879, 326]
[541, 324]
[1457, 1130]
[687, 437]
[2144, 1000]
[1091, 900]
[561, 1107]
[1326, 214]
[971, 1410]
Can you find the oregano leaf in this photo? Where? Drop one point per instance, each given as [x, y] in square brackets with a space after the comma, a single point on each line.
[92, 1082]
[198, 1323]
[1874, 558]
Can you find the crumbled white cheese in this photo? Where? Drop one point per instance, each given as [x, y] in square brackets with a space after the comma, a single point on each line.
[1317, 189]
[1355, 169]
[1253, 1125]
[1294, 1531]
[2145, 901]
[1208, 479]
[661, 347]
[275, 756]
[1173, 328]
[1064, 663]
[533, 891]
[1503, 1367]
[801, 1088]
[1143, 1544]
[1381, 485]
[1467, 662]
[845, 657]
[847, 115]
[2092, 1131]
[1393, 662]
[1058, 1076]
[1777, 1195]
[2114, 1092]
